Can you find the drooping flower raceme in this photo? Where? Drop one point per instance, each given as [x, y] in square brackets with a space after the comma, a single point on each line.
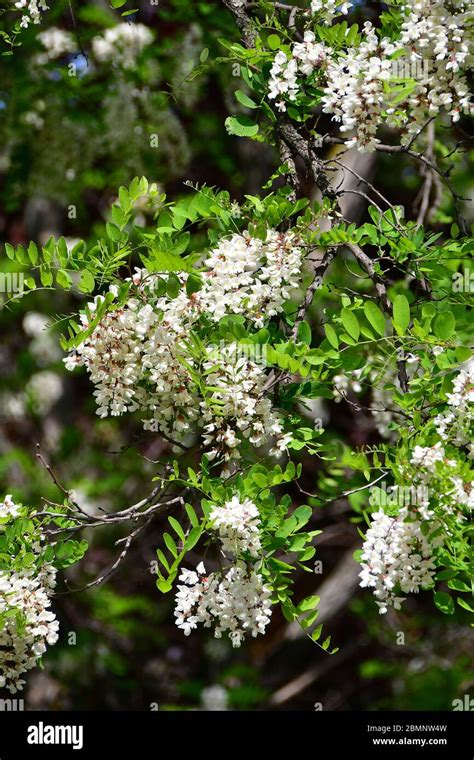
[427, 456]
[355, 93]
[28, 624]
[122, 44]
[139, 354]
[8, 509]
[441, 34]
[396, 557]
[31, 10]
[443, 480]
[307, 57]
[249, 276]
[237, 602]
[237, 524]
[237, 408]
[432, 51]
[328, 9]
[56, 43]
[44, 389]
[456, 423]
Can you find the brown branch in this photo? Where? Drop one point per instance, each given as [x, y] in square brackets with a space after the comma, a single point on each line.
[243, 21]
[319, 268]
[299, 147]
[381, 290]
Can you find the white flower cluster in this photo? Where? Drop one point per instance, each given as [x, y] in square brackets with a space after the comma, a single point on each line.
[122, 44]
[31, 10]
[436, 48]
[56, 43]
[238, 407]
[329, 9]
[355, 93]
[427, 456]
[237, 602]
[396, 556]
[440, 33]
[453, 493]
[43, 345]
[135, 353]
[44, 389]
[307, 57]
[8, 508]
[215, 698]
[456, 424]
[237, 524]
[251, 277]
[28, 624]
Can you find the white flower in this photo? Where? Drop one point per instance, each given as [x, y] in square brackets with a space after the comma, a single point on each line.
[307, 57]
[328, 9]
[138, 357]
[252, 277]
[43, 346]
[238, 526]
[122, 44]
[34, 323]
[56, 43]
[396, 555]
[428, 456]
[8, 508]
[46, 389]
[28, 624]
[214, 698]
[457, 421]
[32, 11]
[237, 603]
[354, 79]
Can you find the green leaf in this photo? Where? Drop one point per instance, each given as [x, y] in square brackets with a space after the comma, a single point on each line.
[193, 538]
[10, 251]
[33, 253]
[175, 524]
[164, 261]
[173, 286]
[444, 325]
[245, 100]
[375, 317]
[170, 544]
[310, 603]
[193, 518]
[401, 314]
[163, 585]
[86, 282]
[331, 335]
[193, 284]
[163, 560]
[46, 276]
[351, 323]
[444, 602]
[273, 41]
[304, 333]
[63, 279]
[241, 125]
